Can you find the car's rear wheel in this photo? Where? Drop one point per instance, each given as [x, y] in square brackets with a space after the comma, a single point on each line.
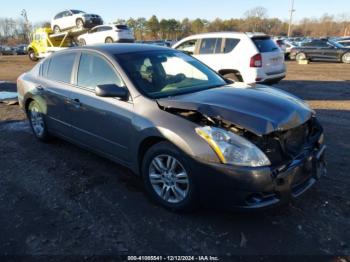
[32, 56]
[37, 121]
[300, 56]
[56, 29]
[82, 42]
[109, 40]
[79, 23]
[346, 58]
[167, 177]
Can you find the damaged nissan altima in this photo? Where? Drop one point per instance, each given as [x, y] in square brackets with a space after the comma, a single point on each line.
[190, 134]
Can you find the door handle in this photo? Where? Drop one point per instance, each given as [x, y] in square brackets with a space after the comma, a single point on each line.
[76, 102]
[40, 87]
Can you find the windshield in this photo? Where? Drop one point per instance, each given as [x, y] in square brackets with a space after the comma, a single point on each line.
[336, 44]
[167, 73]
[265, 44]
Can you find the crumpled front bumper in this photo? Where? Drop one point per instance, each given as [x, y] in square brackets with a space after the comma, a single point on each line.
[261, 187]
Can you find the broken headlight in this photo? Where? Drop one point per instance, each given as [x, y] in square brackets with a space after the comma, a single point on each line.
[233, 149]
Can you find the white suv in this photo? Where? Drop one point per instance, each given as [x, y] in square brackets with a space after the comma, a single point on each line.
[107, 34]
[74, 18]
[245, 57]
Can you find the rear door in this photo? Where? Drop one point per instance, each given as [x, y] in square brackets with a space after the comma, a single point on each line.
[272, 56]
[210, 52]
[55, 89]
[101, 123]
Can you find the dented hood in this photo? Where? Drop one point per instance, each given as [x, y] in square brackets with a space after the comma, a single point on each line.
[261, 109]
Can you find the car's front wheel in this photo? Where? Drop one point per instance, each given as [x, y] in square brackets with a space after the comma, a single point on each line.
[167, 177]
[56, 29]
[37, 121]
[346, 58]
[80, 24]
[31, 55]
[300, 56]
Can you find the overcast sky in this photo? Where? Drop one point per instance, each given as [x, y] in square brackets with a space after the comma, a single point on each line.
[42, 10]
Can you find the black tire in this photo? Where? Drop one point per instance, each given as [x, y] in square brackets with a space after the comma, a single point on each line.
[161, 149]
[56, 29]
[32, 56]
[79, 23]
[82, 42]
[34, 106]
[109, 40]
[346, 58]
[300, 56]
[232, 77]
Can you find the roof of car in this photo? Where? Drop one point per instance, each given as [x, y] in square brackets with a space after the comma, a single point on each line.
[124, 48]
[226, 34]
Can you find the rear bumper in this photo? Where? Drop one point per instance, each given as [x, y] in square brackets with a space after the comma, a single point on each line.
[257, 188]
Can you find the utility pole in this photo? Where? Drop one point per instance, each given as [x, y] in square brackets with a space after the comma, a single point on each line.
[292, 10]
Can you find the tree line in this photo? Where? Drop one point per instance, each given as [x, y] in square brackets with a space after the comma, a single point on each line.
[254, 20]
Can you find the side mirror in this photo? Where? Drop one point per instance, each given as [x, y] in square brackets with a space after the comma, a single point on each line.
[112, 90]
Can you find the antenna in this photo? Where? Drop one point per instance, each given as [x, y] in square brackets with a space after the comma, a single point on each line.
[292, 10]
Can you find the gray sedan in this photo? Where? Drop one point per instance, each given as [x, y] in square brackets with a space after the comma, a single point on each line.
[191, 135]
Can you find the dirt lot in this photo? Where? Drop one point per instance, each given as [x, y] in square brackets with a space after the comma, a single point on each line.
[57, 199]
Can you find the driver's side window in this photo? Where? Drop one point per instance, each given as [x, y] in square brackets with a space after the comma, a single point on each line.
[95, 70]
[188, 47]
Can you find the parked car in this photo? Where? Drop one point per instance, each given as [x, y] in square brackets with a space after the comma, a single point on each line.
[321, 50]
[21, 49]
[71, 18]
[107, 34]
[177, 124]
[247, 57]
[8, 50]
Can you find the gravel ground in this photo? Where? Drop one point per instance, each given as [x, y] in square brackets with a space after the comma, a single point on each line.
[57, 199]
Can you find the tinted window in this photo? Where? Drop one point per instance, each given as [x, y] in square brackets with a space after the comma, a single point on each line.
[103, 28]
[265, 44]
[208, 45]
[61, 66]
[94, 71]
[76, 11]
[121, 27]
[59, 15]
[230, 44]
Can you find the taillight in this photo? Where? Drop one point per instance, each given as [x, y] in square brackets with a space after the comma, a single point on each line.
[256, 61]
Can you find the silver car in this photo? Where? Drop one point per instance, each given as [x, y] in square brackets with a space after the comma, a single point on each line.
[192, 136]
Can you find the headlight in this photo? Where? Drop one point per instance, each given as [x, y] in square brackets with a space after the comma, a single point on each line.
[233, 149]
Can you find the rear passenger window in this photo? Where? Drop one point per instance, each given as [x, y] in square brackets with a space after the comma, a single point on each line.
[45, 67]
[61, 66]
[94, 71]
[230, 44]
[210, 46]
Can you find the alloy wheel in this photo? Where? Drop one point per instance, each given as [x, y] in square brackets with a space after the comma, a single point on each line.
[36, 120]
[169, 178]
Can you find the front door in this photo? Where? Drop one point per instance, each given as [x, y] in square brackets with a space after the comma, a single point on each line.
[100, 123]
